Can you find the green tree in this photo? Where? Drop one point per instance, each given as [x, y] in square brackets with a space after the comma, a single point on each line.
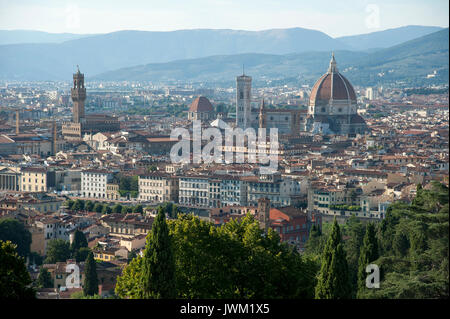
[15, 281]
[78, 205]
[126, 209]
[138, 209]
[236, 260]
[414, 246]
[44, 279]
[158, 273]
[134, 183]
[128, 283]
[15, 231]
[401, 243]
[171, 209]
[314, 245]
[89, 206]
[333, 279]
[98, 208]
[90, 287]
[354, 230]
[79, 241]
[36, 259]
[69, 203]
[82, 254]
[57, 250]
[369, 253]
[125, 183]
[117, 209]
[106, 209]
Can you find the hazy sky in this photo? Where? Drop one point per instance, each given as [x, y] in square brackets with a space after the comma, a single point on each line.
[334, 17]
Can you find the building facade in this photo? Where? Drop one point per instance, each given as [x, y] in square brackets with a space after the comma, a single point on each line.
[201, 109]
[243, 101]
[94, 183]
[158, 187]
[333, 105]
[34, 179]
[82, 123]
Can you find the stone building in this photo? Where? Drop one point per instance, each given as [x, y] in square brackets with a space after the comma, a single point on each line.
[333, 105]
[201, 109]
[82, 123]
[158, 187]
[287, 121]
[243, 101]
[9, 179]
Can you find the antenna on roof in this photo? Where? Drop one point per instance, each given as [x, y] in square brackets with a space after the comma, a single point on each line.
[243, 69]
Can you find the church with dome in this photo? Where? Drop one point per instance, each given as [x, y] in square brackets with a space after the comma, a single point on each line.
[333, 106]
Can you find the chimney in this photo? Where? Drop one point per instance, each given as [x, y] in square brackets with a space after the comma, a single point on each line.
[17, 122]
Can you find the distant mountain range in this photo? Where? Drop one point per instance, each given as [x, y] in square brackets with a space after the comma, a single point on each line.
[188, 54]
[30, 36]
[386, 38]
[411, 61]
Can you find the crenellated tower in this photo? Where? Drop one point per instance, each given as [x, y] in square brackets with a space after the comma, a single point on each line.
[78, 93]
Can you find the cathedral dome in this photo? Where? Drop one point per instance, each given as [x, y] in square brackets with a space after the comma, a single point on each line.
[201, 104]
[332, 86]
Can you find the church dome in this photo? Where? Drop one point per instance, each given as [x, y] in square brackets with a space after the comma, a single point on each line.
[201, 104]
[332, 86]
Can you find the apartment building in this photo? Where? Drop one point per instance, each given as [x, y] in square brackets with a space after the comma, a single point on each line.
[34, 179]
[127, 226]
[94, 183]
[343, 202]
[52, 228]
[112, 191]
[233, 191]
[271, 187]
[215, 192]
[68, 180]
[194, 191]
[158, 187]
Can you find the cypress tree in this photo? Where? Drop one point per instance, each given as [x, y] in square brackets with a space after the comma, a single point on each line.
[333, 280]
[44, 279]
[90, 287]
[368, 254]
[158, 273]
[79, 241]
[401, 244]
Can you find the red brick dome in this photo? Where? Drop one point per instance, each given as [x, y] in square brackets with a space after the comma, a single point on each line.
[201, 104]
[332, 85]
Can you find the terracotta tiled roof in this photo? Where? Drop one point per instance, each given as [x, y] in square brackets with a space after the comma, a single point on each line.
[332, 85]
[201, 104]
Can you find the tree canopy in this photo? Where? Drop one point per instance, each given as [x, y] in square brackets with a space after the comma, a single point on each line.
[57, 250]
[236, 260]
[15, 231]
[15, 281]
